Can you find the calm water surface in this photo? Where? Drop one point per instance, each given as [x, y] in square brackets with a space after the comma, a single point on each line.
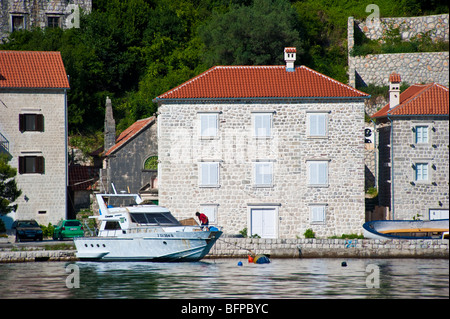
[222, 278]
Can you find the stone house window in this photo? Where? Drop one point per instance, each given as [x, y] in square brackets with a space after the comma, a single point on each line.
[209, 124]
[151, 163]
[317, 124]
[53, 22]
[421, 172]
[209, 174]
[31, 165]
[210, 211]
[263, 174]
[31, 122]
[421, 134]
[17, 22]
[317, 213]
[317, 173]
[262, 125]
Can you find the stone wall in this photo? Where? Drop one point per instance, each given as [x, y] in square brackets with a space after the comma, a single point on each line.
[414, 197]
[181, 150]
[43, 195]
[330, 248]
[414, 67]
[36, 13]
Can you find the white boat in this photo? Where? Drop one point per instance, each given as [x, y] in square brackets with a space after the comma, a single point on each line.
[143, 232]
[406, 229]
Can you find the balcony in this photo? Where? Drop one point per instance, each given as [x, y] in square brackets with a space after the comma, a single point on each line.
[4, 144]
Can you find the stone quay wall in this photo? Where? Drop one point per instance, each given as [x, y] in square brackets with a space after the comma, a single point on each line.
[278, 248]
[330, 248]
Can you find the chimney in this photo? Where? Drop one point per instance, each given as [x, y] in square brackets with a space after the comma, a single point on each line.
[110, 126]
[290, 57]
[394, 90]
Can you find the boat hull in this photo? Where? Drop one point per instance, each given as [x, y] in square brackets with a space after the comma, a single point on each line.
[405, 229]
[178, 246]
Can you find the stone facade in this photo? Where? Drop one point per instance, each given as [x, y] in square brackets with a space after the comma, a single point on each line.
[412, 198]
[422, 67]
[43, 194]
[25, 14]
[289, 150]
[125, 166]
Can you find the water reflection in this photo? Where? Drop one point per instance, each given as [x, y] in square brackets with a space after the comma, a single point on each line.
[222, 278]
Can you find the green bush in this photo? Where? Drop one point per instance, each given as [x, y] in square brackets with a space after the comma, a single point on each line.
[48, 230]
[309, 233]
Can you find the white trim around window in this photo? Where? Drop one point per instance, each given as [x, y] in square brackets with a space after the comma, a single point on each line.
[208, 127]
[263, 174]
[209, 174]
[318, 173]
[262, 124]
[317, 214]
[317, 124]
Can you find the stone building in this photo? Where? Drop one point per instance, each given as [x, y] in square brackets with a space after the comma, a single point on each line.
[413, 151]
[33, 131]
[28, 14]
[130, 161]
[270, 150]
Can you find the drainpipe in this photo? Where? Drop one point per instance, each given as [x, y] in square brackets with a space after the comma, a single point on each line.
[375, 151]
[392, 167]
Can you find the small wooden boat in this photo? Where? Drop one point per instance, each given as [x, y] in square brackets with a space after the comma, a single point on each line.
[406, 229]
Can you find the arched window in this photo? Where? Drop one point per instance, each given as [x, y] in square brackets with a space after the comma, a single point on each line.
[151, 163]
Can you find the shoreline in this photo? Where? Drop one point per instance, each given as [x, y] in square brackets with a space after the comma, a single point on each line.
[275, 248]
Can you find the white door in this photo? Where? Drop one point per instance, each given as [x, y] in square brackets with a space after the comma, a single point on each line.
[263, 222]
[438, 214]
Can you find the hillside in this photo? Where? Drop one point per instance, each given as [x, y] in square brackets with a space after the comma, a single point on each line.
[134, 50]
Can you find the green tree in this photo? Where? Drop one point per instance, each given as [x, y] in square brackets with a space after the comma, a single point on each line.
[252, 35]
[8, 187]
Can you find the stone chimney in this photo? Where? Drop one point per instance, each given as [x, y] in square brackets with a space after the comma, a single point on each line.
[110, 126]
[290, 57]
[394, 90]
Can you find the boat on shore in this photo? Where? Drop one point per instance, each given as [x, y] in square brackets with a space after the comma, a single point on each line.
[406, 229]
[141, 232]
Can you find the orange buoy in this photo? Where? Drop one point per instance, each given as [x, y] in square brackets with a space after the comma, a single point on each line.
[250, 259]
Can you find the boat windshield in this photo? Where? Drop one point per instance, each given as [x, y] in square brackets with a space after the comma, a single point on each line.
[165, 219]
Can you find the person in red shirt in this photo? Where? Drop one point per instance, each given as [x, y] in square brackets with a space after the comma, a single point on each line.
[203, 220]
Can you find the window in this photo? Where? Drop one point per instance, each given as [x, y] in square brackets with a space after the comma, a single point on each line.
[209, 124]
[262, 124]
[31, 122]
[209, 174]
[263, 174]
[421, 173]
[210, 211]
[17, 23]
[421, 135]
[53, 22]
[151, 163]
[31, 164]
[317, 124]
[317, 214]
[318, 173]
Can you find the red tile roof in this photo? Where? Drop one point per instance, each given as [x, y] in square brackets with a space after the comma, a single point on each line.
[32, 69]
[394, 78]
[129, 133]
[419, 99]
[223, 82]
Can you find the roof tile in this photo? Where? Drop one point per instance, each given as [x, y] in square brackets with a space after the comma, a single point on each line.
[419, 99]
[32, 69]
[223, 82]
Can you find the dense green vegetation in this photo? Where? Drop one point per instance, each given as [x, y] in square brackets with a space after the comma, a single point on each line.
[134, 50]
